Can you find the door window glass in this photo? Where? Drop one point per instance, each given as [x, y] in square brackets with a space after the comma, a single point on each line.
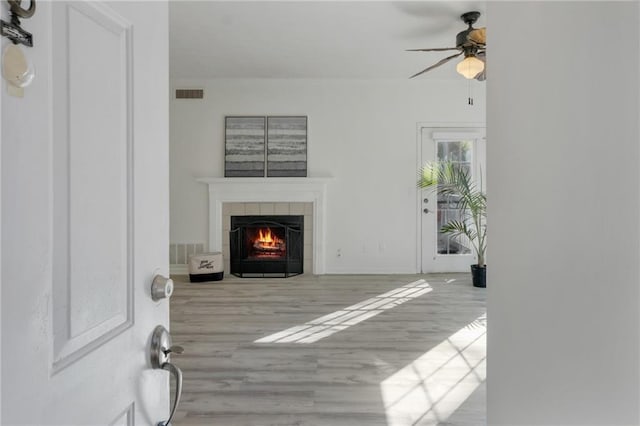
[460, 153]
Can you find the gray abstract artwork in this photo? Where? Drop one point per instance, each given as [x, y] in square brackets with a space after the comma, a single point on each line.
[287, 146]
[244, 147]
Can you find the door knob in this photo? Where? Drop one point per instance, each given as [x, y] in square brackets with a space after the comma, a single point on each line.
[161, 288]
[426, 210]
[161, 348]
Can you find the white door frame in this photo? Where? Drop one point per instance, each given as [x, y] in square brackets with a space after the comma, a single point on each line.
[418, 201]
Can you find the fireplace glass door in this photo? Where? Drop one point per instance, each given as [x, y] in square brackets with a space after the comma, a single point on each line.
[266, 246]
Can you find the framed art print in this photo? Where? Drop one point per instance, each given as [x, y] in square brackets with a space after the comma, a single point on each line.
[287, 146]
[244, 146]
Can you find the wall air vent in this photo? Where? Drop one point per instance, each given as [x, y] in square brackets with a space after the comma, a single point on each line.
[189, 93]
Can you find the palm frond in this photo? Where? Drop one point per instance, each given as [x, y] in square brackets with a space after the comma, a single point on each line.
[457, 228]
[454, 183]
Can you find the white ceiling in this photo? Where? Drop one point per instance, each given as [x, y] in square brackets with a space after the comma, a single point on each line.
[313, 39]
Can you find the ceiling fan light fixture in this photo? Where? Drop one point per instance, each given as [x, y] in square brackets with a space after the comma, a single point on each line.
[470, 67]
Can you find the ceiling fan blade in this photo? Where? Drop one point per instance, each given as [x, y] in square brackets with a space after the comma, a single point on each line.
[437, 49]
[441, 62]
[478, 36]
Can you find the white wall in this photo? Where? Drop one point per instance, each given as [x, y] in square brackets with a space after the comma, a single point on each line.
[362, 132]
[563, 161]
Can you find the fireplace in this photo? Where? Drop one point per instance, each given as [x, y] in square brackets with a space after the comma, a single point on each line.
[268, 196]
[266, 246]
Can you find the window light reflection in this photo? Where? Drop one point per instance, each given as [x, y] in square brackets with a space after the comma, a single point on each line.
[327, 325]
[432, 387]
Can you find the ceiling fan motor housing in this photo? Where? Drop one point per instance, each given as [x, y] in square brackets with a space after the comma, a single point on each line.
[462, 39]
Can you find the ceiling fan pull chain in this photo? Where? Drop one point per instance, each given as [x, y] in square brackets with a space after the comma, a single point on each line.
[469, 90]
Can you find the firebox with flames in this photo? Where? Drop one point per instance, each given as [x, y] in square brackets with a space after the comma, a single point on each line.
[267, 243]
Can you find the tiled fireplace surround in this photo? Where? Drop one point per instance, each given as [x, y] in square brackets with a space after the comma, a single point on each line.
[269, 196]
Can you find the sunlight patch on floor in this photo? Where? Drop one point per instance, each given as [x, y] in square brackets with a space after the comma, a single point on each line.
[327, 325]
[432, 387]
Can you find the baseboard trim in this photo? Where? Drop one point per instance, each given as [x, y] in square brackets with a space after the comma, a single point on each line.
[369, 271]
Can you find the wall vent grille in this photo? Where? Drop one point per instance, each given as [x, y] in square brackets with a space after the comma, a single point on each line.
[179, 253]
[189, 93]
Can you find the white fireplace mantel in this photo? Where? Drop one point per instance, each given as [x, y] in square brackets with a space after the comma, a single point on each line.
[267, 190]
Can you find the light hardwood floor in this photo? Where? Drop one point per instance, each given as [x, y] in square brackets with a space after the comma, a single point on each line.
[229, 380]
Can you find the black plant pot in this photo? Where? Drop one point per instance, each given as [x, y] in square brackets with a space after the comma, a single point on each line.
[479, 275]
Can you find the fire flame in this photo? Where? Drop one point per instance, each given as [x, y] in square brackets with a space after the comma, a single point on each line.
[267, 239]
[267, 244]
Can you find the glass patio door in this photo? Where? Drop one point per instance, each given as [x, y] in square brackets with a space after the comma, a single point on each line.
[464, 147]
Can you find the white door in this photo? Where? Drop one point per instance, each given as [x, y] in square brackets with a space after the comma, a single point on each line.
[464, 146]
[85, 218]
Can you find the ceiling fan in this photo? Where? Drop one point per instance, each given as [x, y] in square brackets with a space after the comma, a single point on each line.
[470, 42]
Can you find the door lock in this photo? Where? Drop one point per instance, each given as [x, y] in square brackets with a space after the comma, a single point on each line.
[161, 288]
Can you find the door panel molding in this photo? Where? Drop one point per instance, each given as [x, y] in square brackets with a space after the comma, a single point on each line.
[92, 174]
[125, 418]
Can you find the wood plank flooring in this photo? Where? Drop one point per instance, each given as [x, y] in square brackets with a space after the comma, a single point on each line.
[229, 380]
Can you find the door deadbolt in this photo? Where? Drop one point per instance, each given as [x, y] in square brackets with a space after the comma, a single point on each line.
[161, 288]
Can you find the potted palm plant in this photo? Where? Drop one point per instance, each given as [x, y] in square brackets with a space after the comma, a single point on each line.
[453, 182]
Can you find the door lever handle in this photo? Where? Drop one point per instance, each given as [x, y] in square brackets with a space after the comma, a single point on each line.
[177, 373]
[161, 347]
